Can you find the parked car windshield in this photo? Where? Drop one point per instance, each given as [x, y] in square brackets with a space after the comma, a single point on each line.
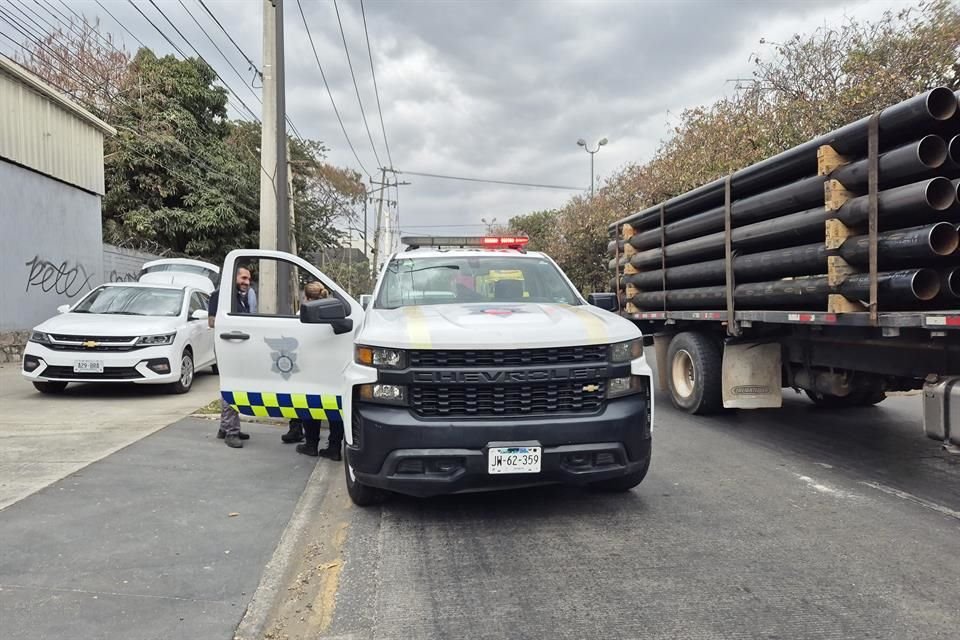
[466, 279]
[133, 301]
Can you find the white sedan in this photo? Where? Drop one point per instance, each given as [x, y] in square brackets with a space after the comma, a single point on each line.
[125, 332]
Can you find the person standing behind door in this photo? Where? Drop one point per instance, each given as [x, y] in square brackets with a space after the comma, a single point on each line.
[245, 302]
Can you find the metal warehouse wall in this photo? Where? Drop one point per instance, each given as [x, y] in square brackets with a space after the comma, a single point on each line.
[51, 249]
[42, 130]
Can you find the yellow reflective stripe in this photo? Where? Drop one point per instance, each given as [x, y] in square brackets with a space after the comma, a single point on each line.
[240, 398]
[417, 329]
[329, 402]
[595, 327]
[260, 411]
[299, 400]
[270, 399]
[318, 414]
[288, 412]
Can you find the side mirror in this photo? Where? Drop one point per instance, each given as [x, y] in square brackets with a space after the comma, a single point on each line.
[199, 314]
[64, 308]
[326, 311]
[365, 300]
[606, 301]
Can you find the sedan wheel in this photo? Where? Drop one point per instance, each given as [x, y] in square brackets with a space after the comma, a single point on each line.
[186, 374]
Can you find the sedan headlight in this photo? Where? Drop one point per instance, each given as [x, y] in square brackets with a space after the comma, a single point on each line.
[155, 341]
[380, 357]
[626, 351]
[40, 337]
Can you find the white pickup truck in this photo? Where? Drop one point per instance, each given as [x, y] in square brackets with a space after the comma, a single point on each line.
[476, 366]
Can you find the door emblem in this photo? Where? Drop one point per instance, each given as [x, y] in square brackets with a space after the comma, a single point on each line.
[284, 355]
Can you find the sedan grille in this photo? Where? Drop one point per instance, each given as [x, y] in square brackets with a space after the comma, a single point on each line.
[61, 342]
[109, 373]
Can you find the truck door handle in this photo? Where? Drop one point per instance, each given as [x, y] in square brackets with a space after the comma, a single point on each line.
[235, 335]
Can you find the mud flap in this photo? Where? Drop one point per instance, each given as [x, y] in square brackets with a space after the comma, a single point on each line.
[752, 376]
[661, 343]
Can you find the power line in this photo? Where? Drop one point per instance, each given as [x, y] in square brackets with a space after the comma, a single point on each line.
[229, 37]
[82, 20]
[356, 88]
[330, 93]
[159, 30]
[122, 26]
[504, 182]
[376, 90]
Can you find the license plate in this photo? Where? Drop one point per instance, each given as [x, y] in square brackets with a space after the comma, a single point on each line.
[514, 460]
[88, 366]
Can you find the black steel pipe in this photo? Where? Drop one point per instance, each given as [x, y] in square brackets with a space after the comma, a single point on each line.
[897, 123]
[895, 289]
[900, 248]
[897, 166]
[902, 204]
[950, 283]
[795, 196]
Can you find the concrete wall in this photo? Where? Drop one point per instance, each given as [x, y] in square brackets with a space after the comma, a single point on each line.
[51, 250]
[123, 265]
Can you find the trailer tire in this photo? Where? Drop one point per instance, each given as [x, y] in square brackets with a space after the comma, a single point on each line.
[695, 373]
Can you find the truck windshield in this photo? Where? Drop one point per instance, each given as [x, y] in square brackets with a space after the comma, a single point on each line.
[466, 279]
[132, 301]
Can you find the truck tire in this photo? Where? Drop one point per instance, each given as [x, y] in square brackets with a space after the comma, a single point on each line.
[50, 387]
[854, 399]
[623, 483]
[361, 494]
[694, 373]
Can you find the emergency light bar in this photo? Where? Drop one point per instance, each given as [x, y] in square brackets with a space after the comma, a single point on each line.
[490, 242]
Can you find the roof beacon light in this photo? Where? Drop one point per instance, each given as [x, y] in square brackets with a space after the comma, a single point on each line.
[489, 242]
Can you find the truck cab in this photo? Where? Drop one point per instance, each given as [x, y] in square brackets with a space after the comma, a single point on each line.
[476, 365]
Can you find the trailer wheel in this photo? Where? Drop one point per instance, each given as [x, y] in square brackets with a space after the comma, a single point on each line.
[694, 373]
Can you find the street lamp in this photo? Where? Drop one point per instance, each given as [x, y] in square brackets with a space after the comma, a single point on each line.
[583, 143]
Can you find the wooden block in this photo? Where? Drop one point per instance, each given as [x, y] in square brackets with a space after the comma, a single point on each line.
[632, 308]
[838, 304]
[828, 160]
[630, 270]
[835, 195]
[631, 290]
[837, 270]
[626, 231]
[628, 250]
[837, 233]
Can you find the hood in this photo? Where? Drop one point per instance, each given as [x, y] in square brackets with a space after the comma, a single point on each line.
[493, 325]
[93, 324]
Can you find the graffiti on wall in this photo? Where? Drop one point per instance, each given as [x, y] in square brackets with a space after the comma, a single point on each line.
[118, 276]
[62, 278]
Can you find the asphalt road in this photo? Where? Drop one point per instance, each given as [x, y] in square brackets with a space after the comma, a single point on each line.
[794, 523]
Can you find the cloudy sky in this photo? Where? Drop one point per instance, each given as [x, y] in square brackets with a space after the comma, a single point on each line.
[498, 90]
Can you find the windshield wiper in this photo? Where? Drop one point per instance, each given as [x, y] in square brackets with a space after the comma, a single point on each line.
[122, 313]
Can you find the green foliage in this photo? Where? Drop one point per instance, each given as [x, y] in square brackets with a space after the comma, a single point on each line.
[806, 86]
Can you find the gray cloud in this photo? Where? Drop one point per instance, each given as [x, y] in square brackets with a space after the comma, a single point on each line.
[502, 89]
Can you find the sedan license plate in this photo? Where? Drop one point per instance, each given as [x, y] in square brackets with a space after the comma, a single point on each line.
[514, 460]
[88, 366]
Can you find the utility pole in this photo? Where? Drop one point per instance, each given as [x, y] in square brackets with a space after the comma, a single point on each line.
[274, 295]
[378, 226]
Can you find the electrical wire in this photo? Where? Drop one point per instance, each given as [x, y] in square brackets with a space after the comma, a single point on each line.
[159, 30]
[356, 88]
[229, 37]
[376, 89]
[489, 181]
[82, 19]
[330, 93]
[122, 26]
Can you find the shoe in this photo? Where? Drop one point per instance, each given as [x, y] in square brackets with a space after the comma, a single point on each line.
[221, 434]
[330, 454]
[307, 449]
[295, 434]
[234, 441]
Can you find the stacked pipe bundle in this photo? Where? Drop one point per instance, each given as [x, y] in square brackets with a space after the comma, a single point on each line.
[796, 235]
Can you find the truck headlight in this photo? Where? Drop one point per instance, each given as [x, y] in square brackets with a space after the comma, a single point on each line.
[39, 337]
[626, 351]
[618, 387]
[384, 393]
[154, 341]
[380, 357]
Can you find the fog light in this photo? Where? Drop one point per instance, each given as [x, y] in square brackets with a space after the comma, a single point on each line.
[31, 363]
[385, 393]
[159, 365]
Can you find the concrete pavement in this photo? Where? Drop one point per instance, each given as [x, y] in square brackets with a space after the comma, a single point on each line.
[44, 438]
[163, 540]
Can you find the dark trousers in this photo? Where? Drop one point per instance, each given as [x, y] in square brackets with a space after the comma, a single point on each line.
[311, 433]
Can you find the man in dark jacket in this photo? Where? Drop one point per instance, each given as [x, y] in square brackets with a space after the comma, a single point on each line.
[245, 302]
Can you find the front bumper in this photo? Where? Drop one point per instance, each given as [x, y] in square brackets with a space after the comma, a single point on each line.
[393, 449]
[125, 366]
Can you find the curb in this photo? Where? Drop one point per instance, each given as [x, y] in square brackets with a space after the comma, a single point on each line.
[254, 622]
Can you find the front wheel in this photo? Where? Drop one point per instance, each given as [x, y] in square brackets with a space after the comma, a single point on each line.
[361, 494]
[50, 387]
[623, 483]
[186, 374]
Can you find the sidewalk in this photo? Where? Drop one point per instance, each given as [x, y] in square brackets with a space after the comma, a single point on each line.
[165, 539]
[44, 438]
